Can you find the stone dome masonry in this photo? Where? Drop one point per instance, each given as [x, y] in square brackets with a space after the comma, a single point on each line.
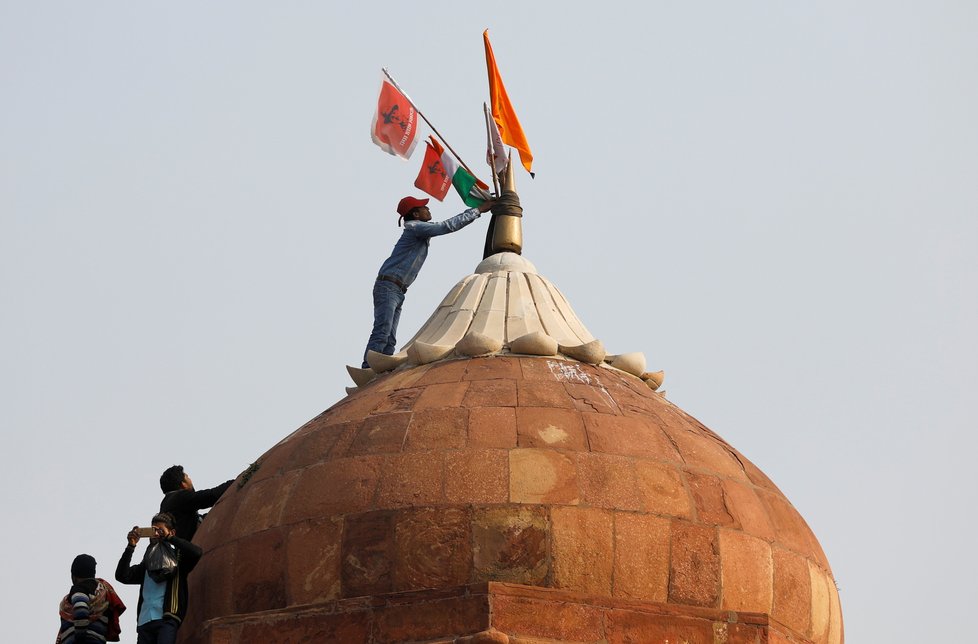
[485, 494]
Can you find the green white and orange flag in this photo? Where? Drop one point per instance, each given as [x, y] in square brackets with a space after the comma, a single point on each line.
[439, 171]
[502, 110]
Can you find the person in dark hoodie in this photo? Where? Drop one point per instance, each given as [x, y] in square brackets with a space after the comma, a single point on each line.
[182, 501]
[90, 611]
[160, 610]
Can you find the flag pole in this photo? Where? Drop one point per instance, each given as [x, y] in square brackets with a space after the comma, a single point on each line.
[489, 146]
[454, 154]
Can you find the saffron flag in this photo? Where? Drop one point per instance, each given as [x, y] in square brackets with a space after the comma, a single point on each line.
[395, 125]
[495, 150]
[440, 170]
[502, 110]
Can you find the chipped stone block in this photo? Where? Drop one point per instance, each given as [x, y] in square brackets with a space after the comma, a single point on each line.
[592, 352]
[423, 353]
[381, 362]
[534, 344]
[633, 363]
[478, 344]
[360, 376]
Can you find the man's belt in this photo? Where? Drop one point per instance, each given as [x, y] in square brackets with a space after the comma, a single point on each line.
[392, 280]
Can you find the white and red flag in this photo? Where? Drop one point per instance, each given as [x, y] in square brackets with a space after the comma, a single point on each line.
[495, 150]
[395, 125]
[439, 172]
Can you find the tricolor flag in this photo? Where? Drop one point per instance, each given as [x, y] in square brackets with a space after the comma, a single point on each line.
[440, 170]
[395, 125]
[502, 110]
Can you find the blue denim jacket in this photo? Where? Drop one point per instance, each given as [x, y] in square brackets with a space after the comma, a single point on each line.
[411, 249]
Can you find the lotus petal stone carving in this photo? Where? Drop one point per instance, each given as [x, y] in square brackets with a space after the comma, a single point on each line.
[534, 344]
[423, 353]
[381, 362]
[592, 352]
[478, 344]
[654, 378]
[360, 376]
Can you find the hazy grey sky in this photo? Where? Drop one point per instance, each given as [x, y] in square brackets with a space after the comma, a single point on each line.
[775, 201]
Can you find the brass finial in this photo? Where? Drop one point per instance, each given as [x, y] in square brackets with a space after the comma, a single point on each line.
[506, 230]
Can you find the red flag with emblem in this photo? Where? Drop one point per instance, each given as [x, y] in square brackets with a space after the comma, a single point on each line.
[433, 177]
[395, 125]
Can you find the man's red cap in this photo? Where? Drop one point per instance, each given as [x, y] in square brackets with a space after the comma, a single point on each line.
[407, 204]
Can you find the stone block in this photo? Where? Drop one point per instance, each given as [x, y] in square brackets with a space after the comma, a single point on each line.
[497, 392]
[552, 395]
[259, 577]
[641, 569]
[694, 575]
[582, 549]
[448, 371]
[444, 394]
[705, 453]
[477, 476]
[591, 398]
[542, 476]
[424, 621]
[366, 555]
[662, 490]
[608, 481]
[792, 597]
[313, 548]
[437, 429]
[433, 548]
[400, 400]
[789, 526]
[351, 482]
[262, 504]
[628, 436]
[412, 479]
[381, 434]
[747, 570]
[492, 427]
[493, 368]
[550, 428]
[821, 604]
[747, 509]
[324, 443]
[555, 621]
[626, 626]
[510, 543]
[707, 493]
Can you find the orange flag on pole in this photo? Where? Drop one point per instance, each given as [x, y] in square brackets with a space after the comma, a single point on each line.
[502, 110]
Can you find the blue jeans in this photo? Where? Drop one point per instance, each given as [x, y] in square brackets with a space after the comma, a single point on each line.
[388, 298]
[158, 631]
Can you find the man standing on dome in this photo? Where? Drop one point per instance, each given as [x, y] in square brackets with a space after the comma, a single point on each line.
[402, 267]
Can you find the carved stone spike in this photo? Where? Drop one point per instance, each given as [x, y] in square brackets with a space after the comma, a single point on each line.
[633, 363]
[478, 344]
[423, 353]
[381, 362]
[537, 343]
[360, 376]
[350, 390]
[592, 353]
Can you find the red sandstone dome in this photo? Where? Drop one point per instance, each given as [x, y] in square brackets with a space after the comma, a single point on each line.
[508, 498]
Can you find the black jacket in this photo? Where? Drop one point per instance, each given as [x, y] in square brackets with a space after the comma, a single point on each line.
[174, 603]
[183, 505]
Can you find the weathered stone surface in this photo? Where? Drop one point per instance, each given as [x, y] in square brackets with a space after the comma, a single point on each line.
[694, 576]
[381, 434]
[429, 620]
[536, 343]
[592, 352]
[551, 395]
[432, 548]
[582, 549]
[608, 481]
[444, 394]
[415, 478]
[477, 476]
[511, 544]
[550, 428]
[747, 569]
[261, 507]
[398, 400]
[366, 556]
[641, 569]
[351, 484]
[631, 626]
[259, 584]
[564, 622]
[588, 398]
[707, 493]
[704, 453]
[792, 598]
[662, 489]
[628, 436]
[747, 509]
[431, 429]
[542, 476]
[497, 392]
[821, 604]
[313, 550]
[492, 427]
[322, 445]
[492, 368]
